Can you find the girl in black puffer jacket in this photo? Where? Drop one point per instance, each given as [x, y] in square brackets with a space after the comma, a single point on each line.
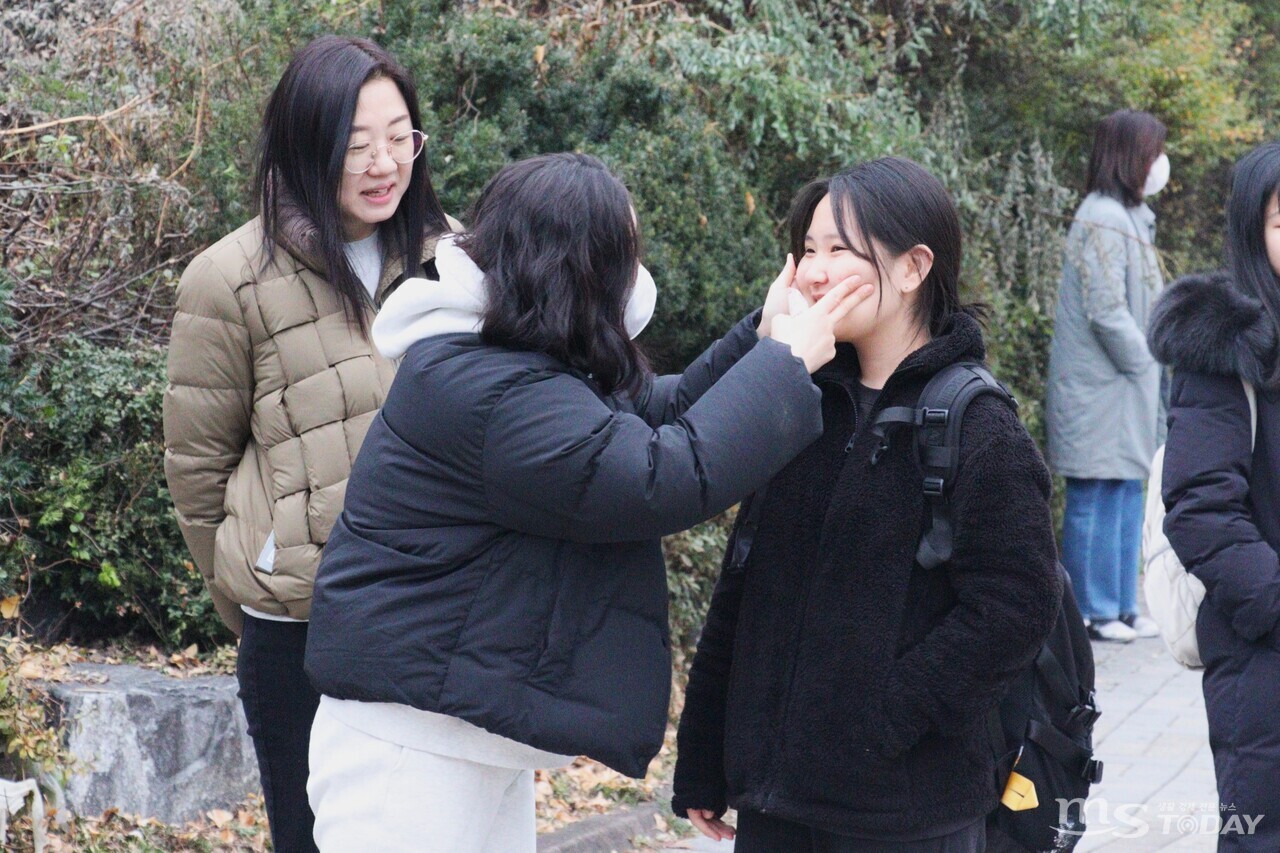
[840, 691]
[1222, 491]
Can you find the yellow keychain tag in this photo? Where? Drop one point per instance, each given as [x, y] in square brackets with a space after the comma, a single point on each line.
[1019, 793]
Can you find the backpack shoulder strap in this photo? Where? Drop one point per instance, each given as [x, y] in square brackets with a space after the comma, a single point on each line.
[939, 417]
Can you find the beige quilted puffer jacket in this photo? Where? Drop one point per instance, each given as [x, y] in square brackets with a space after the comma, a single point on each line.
[270, 393]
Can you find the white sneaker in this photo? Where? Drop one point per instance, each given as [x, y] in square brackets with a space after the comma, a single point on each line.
[1112, 631]
[1143, 626]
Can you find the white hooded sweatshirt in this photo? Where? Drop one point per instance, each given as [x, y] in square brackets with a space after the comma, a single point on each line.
[421, 308]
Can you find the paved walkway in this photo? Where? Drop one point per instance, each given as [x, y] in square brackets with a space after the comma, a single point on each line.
[1157, 791]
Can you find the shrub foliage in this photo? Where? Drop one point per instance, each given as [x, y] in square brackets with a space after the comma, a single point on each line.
[127, 140]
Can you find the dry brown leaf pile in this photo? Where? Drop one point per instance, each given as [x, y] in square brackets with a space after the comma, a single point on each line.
[218, 831]
[563, 796]
[53, 663]
[587, 788]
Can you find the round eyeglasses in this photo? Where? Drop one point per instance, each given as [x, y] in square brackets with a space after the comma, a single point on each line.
[403, 148]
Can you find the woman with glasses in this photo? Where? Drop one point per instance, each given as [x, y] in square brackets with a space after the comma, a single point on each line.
[273, 380]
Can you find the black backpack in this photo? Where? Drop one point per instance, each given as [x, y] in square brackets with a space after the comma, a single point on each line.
[1043, 727]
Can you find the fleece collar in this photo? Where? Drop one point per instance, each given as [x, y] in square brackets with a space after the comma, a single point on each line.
[421, 308]
[1207, 324]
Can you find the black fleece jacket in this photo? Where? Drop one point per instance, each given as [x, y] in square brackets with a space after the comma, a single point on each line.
[839, 684]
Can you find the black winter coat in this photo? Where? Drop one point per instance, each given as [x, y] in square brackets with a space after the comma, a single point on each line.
[1223, 498]
[839, 684]
[1223, 521]
[498, 558]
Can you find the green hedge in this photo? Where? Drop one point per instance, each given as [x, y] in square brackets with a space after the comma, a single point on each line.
[713, 111]
[83, 465]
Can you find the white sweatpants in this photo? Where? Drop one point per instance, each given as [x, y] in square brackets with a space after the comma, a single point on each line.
[372, 795]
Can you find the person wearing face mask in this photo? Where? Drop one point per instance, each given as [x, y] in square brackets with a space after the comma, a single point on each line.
[493, 598]
[1104, 409]
[273, 378]
[840, 692]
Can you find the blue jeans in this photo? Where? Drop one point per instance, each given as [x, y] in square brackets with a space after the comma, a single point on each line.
[1101, 541]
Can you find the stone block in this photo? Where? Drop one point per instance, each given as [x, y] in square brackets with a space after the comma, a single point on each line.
[152, 745]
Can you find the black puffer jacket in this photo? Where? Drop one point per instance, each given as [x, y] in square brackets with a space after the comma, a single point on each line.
[498, 559]
[1223, 521]
[839, 684]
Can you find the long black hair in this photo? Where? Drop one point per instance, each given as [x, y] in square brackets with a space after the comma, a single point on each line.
[1254, 183]
[1125, 144]
[557, 239]
[900, 205]
[305, 131]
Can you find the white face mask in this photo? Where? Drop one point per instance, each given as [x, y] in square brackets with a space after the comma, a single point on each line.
[1158, 176]
[640, 305]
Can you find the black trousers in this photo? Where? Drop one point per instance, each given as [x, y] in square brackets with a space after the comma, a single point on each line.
[280, 706]
[760, 833]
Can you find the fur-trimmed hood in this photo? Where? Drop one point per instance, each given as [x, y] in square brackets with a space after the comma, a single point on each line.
[1205, 323]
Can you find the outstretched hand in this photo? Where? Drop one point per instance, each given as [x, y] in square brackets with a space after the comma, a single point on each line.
[811, 332]
[776, 300]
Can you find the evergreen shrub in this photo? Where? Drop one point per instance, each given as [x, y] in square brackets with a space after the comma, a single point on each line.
[713, 111]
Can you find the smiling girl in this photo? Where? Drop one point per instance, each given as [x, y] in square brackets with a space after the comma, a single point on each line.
[840, 691]
[273, 380]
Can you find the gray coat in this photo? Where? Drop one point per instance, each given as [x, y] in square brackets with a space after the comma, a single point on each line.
[1103, 411]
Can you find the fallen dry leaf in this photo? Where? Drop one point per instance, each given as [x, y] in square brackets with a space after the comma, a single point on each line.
[30, 670]
[220, 817]
[9, 607]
